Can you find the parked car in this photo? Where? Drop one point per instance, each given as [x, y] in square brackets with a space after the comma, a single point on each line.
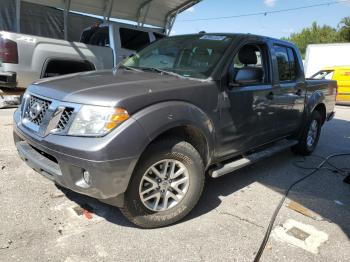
[26, 58]
[341, 74]
[142, 136]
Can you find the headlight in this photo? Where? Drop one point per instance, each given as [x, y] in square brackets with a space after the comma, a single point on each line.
[97, 120]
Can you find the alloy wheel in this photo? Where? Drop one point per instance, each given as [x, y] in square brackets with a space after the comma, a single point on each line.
[312, 133]
[164, 185]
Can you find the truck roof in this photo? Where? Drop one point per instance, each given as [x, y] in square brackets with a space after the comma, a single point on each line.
[247, 35]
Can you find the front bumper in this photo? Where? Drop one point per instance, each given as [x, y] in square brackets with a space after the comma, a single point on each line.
[109, 176]
[8, 79]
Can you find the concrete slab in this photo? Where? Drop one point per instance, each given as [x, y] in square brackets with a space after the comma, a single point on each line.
[300, 235]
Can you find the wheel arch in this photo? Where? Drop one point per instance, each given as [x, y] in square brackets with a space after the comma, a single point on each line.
[178, 119]
[52, 60]
[321, 108]
[317, 102]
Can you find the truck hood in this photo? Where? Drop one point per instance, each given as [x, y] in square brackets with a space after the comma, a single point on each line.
[130, 89]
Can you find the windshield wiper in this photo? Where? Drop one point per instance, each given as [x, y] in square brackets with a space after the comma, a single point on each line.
[161, 71]
[128, 68]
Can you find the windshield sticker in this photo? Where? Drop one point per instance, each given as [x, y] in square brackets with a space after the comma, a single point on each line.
[213, 37]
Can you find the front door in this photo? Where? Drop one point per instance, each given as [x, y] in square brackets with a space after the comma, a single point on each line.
[247, 119]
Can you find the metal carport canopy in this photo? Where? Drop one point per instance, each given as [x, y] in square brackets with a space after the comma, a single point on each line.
[158, 13]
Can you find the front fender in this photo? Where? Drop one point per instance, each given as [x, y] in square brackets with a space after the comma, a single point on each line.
[161, 117]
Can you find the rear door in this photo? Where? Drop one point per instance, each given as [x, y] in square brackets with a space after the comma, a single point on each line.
[289, 95]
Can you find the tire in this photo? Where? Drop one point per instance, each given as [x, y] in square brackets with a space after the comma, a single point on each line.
[312, 128]
[151, 213]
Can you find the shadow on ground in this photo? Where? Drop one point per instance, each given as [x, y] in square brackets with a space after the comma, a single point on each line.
[318, 193]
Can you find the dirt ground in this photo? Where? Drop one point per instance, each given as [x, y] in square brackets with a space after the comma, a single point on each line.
[39, 222]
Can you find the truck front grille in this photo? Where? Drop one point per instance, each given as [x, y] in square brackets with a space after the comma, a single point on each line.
[45, 115]
[65, 119]
[36, 109]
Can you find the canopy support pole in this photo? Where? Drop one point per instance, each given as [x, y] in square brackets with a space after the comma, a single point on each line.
[65, 18]
[18, 16]
[108, 10]
[171, 16]
[143, 13]
[170, 24]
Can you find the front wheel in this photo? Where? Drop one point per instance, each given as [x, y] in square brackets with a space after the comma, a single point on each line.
[310, 136]
[166, 184]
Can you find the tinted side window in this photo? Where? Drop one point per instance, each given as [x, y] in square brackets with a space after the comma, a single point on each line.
[249, 65]
[287, 63]
[292, 64]
[133, 39]
[283, 63]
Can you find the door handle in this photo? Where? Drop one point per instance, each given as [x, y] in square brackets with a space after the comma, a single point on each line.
[299, 92]
[270, 95]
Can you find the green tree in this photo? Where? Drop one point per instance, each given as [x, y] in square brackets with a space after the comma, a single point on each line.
[344, 29]
[315, 34]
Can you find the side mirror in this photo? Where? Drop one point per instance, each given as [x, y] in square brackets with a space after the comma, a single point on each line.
[247, 76]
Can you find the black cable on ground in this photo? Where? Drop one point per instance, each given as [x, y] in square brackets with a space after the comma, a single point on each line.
[333, 168]
[278, 208]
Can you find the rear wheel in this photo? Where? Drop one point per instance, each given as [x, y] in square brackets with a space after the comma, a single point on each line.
[310, 136]
[166, 184]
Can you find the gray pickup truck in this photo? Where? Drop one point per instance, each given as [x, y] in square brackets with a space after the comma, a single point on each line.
[143, 135]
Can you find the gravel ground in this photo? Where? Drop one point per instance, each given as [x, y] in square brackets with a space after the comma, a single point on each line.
[38, 221]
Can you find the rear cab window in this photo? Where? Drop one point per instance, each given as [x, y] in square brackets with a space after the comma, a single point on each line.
[132, 39]
[96, 36]
[286, 63]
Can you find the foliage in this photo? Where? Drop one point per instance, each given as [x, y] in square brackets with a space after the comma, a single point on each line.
[316, 34]
[344, 29]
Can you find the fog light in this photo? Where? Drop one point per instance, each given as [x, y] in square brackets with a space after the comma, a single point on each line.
[86, 177]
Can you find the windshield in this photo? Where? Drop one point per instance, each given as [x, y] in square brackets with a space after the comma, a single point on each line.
[188, 56]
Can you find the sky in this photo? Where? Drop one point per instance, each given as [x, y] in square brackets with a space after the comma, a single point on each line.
[274, 25]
